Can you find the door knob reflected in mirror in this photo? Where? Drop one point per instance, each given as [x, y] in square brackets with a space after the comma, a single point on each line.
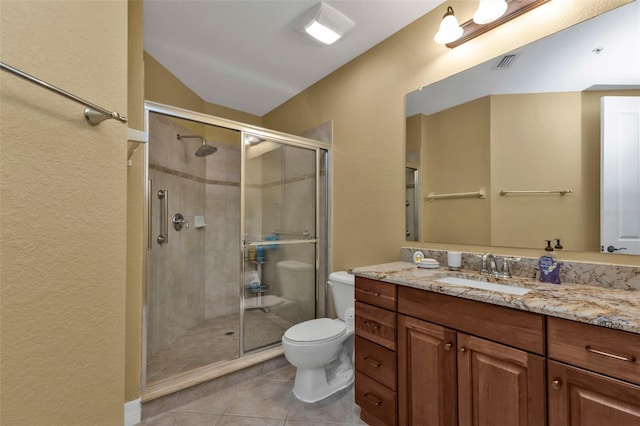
[611, 249]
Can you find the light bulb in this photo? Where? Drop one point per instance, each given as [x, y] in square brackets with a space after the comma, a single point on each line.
[489, 11]
[450, 29]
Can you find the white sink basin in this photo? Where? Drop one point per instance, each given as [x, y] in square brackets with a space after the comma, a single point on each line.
[501, 288]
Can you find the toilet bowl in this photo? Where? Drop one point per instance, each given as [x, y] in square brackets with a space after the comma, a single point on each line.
[322, 349]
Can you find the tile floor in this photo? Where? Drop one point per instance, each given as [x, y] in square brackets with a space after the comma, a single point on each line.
[210, 342]
[266, 400]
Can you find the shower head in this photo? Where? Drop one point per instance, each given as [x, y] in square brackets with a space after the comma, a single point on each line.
[204, 149]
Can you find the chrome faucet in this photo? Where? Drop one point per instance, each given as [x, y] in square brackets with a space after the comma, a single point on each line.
[489, 265]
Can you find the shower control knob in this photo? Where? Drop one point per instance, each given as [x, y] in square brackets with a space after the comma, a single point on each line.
[179, 221]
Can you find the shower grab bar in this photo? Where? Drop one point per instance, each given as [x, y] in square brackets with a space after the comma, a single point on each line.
[163, 238]
[149, 214]
[305, 234]
[477, 194]
[93, 113]
[558, 191]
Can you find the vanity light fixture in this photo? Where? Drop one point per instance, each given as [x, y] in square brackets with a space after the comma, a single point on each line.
[489, 11]
[487, 17]
[450, 29]
[327, 24]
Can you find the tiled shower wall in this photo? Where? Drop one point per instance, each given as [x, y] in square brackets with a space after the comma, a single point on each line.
[194, 276]
[223, 230]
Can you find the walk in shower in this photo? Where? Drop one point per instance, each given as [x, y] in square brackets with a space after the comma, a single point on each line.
[237, 240]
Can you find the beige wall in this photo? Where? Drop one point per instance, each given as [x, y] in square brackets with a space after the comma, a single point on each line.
[456, 158]
[365, 100]
[62, 235]
[526, 155]
[136, 222]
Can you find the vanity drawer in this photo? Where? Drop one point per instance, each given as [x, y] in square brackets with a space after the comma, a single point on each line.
[376, 293]
[520, 329]
[615, 353]
[375, 324]
[376, 362]
[377, 403]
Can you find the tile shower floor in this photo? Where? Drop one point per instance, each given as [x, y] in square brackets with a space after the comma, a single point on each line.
[215, 340]
[266, 400]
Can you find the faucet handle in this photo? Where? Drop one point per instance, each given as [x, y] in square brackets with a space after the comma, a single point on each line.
[506, 266]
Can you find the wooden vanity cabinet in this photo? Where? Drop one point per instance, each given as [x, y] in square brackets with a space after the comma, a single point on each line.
[593, 375]
[469, 363]
[375, 352]
[578, 397]
[499, 385]
[426, 373]
[447, 377]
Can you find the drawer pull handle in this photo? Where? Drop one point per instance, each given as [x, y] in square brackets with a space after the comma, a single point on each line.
[372, 361]
[618, 357]
[447, 346]
[373, 293]
[373, 324]
[372, 399]
[556, 383]
[462, 349]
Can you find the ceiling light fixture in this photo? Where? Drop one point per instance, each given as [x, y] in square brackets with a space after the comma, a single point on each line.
[472, 28]
[327, 24]
[489, 11]
[450, 29]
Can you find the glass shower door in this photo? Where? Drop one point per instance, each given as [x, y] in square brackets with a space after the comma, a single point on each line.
[280, 246]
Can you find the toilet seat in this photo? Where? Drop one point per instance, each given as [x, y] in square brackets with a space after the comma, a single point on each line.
[319, 330]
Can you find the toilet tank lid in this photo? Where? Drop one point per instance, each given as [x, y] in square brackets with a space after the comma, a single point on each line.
[294, 265]
[316, 330]
[342, 277]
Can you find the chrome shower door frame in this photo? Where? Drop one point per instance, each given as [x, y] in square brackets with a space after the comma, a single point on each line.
[323, 153]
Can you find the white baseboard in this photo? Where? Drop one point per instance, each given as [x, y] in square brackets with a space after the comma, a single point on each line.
[132, 412]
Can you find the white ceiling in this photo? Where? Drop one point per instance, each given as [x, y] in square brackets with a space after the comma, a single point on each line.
[247, 55]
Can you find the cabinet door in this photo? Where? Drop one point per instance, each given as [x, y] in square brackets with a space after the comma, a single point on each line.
[499, 385]
[580, 398]
[426, 373]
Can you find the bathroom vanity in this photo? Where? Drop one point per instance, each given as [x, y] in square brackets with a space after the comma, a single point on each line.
[431, 353]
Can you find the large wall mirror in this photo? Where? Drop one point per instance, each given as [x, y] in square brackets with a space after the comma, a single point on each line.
[508, 153]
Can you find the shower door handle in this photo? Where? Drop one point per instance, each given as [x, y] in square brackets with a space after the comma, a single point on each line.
[149, 214]
[163, 195]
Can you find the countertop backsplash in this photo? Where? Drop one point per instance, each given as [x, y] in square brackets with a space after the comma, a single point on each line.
[596, 274]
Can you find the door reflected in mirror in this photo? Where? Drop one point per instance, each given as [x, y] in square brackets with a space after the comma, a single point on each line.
[531, 128]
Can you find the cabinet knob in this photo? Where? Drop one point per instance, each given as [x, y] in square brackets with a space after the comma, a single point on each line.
[447, 346]
[372, 324]
[372, 399]
[556, 384]
[462, 349]
[372, 361]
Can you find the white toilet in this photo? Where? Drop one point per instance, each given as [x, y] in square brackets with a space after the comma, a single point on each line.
[322, 349]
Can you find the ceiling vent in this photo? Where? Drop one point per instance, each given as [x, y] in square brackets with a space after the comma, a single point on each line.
[505, 62]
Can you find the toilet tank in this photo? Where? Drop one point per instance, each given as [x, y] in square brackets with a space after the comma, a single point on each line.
[297, 280]
[342, 291]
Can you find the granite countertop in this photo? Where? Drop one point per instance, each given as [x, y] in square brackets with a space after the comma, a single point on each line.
[606, 307]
